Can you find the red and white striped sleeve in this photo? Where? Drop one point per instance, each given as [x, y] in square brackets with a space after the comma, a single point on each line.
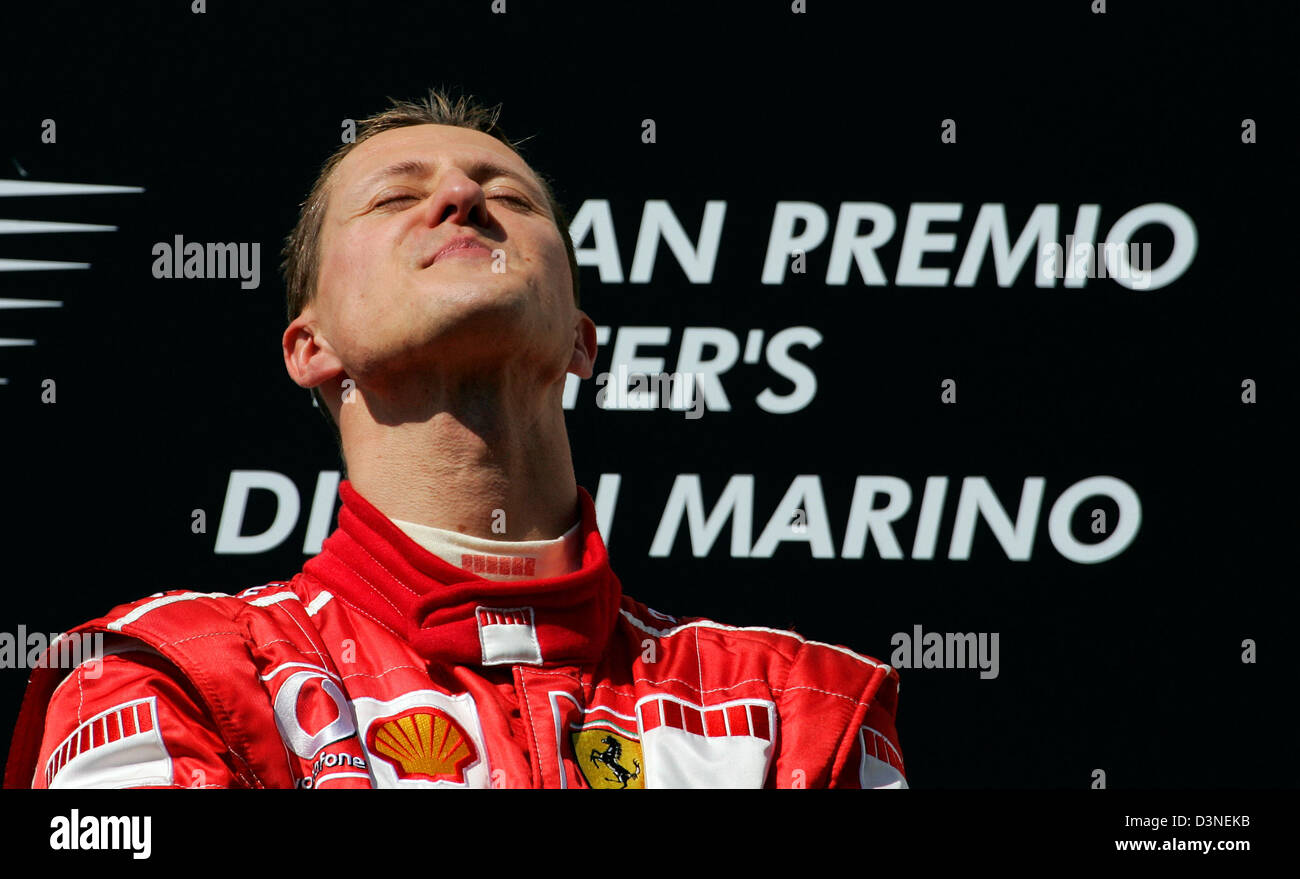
[130, 720]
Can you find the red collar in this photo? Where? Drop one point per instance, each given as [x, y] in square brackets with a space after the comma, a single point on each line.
[453, 615]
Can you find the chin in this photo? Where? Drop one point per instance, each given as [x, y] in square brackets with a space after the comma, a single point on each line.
[465, 335]
[472, 304]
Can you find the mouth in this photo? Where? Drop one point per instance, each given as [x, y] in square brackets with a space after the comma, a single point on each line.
[460, 248]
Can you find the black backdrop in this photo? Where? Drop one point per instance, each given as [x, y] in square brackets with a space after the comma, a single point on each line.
[1133, 665]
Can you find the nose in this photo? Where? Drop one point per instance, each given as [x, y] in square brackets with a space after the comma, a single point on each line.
[459, 199]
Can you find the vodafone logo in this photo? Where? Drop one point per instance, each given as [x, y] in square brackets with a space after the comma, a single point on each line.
[311, 712]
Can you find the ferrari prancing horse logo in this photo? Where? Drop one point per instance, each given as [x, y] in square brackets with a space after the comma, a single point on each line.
[608, 759]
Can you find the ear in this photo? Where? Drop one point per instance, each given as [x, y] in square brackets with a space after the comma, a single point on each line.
[583, 361]
[307, 353]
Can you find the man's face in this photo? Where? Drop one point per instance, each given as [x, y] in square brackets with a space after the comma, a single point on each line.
[388, 309]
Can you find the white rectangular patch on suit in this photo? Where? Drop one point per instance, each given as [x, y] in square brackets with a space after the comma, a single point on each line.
[508, 636]
[685, 745]
[121, 747]
[881, 762]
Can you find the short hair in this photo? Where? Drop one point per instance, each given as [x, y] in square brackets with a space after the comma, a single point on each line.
[300, 264]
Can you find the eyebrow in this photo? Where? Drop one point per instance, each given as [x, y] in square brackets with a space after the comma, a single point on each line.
[477, 170]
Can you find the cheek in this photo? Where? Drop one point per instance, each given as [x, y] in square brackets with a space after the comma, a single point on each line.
[556, 267]
[347, 300]
[350, 275]
[344, 263]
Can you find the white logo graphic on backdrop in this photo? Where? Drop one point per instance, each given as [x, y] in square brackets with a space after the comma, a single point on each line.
[1015, 525]
[30, 188]
[800, 228]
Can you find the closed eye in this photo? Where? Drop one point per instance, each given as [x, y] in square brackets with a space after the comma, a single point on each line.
[394, 198]
[524, 203]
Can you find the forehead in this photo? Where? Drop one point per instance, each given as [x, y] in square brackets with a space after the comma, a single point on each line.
[433, 145]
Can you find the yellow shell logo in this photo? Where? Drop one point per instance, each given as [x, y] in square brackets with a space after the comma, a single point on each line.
[423, 743]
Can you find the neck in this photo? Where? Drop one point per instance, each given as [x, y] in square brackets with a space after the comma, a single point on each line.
[484, 459]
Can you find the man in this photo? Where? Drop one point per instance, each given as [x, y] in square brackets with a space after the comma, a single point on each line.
[462, 626]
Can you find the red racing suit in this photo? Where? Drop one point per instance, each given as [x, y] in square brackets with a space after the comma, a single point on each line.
[381, 665]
